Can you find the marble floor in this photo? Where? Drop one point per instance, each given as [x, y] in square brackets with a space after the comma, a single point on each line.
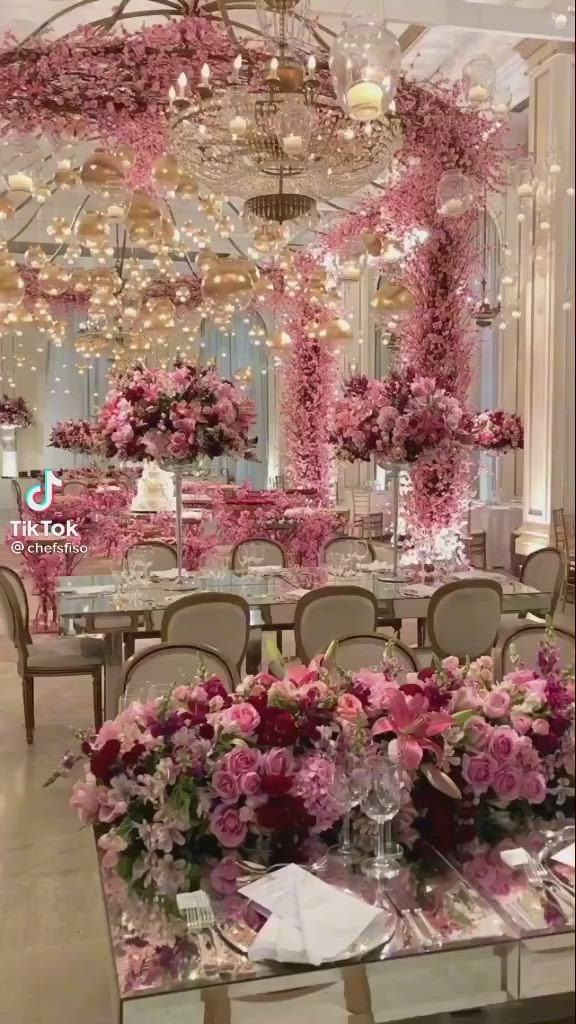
[53, 945]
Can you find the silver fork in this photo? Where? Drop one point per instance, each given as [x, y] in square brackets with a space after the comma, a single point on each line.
[215, 957]
[418, 925]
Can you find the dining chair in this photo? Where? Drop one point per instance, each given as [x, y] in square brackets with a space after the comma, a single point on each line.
[341, 547]
[475, 545]
[544, 570]
[523, 644]
[356, 651]
[463, 618]
[272, 552]
[563, 524]
[365, 522]
[219, 621]
[166, 665]
[58, 656]
[74, 487]
[161, 556]
[17, 492]
[329, 612]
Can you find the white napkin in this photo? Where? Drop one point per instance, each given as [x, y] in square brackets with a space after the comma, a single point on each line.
[166, 574]
[265, 570]
[566, 856]
[310, 922]
[108, 588]
[297, 593]
[374, 566]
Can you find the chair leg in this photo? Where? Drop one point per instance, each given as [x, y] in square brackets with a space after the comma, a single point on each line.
[28, 700]
[421, 632]
[279, 640]
[129, 645]
[97, 697]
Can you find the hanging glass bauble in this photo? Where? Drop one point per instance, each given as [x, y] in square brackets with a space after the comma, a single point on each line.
[454, 195]
[364, 63]
[479, 77]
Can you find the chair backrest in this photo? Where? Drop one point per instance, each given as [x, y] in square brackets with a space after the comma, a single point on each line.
[273, 552]
[17, 492]
[544, 570]
[19, 590]
[361, 501]
[463, 618]
[12, 615]
[72, 487]
[569, 526]
[161, 555]
[340, 547]
[559, 524]
[329, 612]
[166, 665]
[524, 643]
[357, 651]
[219, 621]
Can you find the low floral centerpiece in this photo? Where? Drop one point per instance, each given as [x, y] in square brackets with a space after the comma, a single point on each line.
[498, 432]
[74, 436]
[184, 414]
[397, 418]
[201, 774]
[15, 412]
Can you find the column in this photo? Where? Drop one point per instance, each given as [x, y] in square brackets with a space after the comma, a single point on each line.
[548, 321]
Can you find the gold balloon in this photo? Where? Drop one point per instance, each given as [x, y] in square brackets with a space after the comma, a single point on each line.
[166, 174]
[59, 229]
[187, 187]
[157, 314]
[12, 288]
[204, 262]
[278, 340]
[229, 284]
[80, 281]
[334, 333]
[36, 257]
[7, 208]
[243, 375]
[392, 301]
[66, 178]
[104, 281]
[53, 279]
[105, 302]
[263, 289]
[143, 207]
[372, 243]
[93, 230]
[103, 172]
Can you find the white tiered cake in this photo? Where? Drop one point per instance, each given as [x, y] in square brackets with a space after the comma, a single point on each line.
[155, 490]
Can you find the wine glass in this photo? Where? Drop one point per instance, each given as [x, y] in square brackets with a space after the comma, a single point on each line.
[380, 801]
[352, 781]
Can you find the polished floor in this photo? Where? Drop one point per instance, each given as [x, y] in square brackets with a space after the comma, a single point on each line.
[53, 945]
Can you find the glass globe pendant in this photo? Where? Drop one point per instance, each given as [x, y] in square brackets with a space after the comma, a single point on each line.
[364, 63]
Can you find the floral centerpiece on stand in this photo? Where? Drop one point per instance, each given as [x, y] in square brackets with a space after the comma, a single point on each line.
[186, 413]
[15, 412]
[497, 431]
[74, 436]
[395, 419]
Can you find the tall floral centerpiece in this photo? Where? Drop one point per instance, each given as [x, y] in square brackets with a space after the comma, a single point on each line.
[14, 415]
[497, 432]
[178, 417]
[396, 420]
[77, 436]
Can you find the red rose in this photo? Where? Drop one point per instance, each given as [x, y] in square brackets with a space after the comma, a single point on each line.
[102, 760]
[275, 785]
[284, 814]
[277, 728]
[411, 689]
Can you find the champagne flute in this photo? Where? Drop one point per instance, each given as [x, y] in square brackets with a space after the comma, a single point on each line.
[380, 801]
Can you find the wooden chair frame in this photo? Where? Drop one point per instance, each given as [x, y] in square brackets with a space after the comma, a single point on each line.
[450, 588]
[316, 595]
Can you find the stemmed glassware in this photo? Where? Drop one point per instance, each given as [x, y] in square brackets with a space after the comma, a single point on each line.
[352, 782]
[380, 801]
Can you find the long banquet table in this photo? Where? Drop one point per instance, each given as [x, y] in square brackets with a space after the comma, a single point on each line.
[469, 951]
[272, 598]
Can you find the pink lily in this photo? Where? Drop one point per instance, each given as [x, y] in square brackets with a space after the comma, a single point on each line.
[414, 726]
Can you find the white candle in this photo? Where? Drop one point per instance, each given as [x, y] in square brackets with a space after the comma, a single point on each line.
[20, 182]
[566, 306]
[500, 108]
[238, 125]
[115, 212]
[507, 280]
[293, 144]
[478, 93]
[453, 207]
[545, 225]
[182, 83]
[364, 101]
[524, 190]
[555, 169]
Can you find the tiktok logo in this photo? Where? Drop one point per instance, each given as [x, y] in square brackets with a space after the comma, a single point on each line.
[39, 496]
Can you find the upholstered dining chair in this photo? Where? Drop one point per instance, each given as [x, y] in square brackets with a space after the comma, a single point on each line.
[166, 665]
[475, 545]
[544, 570]
[564, 538]
[356, 651]
[17, 492]
[58, 656]
[272, 551]
[463, 618]
[340, 547]
[74, 487]
[329, 612]
[161, 556]
[522, 644]
[220, 621]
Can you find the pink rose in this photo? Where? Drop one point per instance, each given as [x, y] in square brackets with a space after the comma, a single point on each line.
[540, 726]
[242, 760]
[520, 677]
[241, 717]
[465, 699]
[451, 664]
[478, 732]
[250, 783]
[506, 783]
[534, 787]
[349, 707]
[520, 722]
[526, 755]
[497, 704]
[85, 802]
[283, 690]
[478, 771]
[503, 743]
[312, 691]
[227, 826]
[278, 762]
[225, 785]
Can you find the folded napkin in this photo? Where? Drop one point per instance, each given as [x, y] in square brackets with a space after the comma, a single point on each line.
[297, 593]
[166, 574]
[265, 570]
[566, 856]
[310, 922]
[108, 588]
[374, 566]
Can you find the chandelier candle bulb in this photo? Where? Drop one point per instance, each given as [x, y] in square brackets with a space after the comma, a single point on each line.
[293, 145]
[238, 125]
[20, 182]
[364, 101]
[478, 94]
[453, 207]
[525, 190]
[182, 81]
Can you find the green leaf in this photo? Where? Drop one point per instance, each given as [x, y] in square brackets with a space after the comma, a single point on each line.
[461, 717]
[271, 653]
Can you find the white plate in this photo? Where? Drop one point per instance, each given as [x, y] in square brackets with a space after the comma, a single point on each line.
[108, 588]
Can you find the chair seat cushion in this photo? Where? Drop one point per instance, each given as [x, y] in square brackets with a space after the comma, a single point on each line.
[63, 653]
